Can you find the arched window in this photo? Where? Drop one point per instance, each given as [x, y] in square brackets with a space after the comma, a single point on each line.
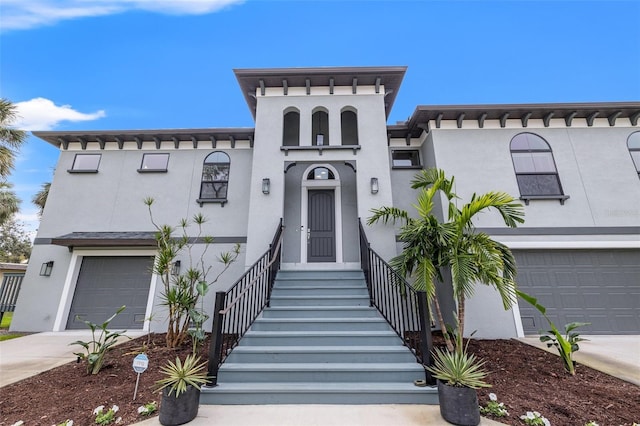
[349, 124]
[320, 128]
[291, 129]
[321, 173]
[634, 149]
[535, 167]
[215, 178]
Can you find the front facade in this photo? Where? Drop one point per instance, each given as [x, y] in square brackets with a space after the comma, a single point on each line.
[321, 156]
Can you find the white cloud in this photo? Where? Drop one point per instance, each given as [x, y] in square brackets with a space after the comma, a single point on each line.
[24, 14]
[43, 114]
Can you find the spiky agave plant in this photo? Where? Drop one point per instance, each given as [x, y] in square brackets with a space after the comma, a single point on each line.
[458, 368]
[180, 375]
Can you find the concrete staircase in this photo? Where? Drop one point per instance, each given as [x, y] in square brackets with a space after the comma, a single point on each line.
[320, 343]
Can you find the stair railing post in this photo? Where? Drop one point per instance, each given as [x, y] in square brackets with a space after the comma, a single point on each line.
[426, 343]
[215, 346]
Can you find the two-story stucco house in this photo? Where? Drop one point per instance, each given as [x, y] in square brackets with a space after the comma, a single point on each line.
[321, 156]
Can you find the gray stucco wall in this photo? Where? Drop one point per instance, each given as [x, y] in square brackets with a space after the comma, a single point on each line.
[112, 201]
[594, 166]
[269, 161]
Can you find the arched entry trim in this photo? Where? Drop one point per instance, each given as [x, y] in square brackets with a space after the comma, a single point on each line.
[320, 184]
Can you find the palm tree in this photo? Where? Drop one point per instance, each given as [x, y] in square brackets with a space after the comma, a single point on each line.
[431, 245]
[9, 202]
[40, 197]
[10, 139]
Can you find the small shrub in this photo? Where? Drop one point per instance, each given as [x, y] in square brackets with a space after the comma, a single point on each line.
[148, 408]
[533, 418]
[96, 349]
[106, 417]
[494, 408]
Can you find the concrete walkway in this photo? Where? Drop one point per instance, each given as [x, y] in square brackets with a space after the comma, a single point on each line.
[29, 355]
[318, 415]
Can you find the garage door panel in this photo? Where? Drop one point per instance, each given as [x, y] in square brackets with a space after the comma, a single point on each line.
[107, 282]
[597, 286]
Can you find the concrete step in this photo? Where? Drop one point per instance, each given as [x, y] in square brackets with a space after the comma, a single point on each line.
[327, 354]
[320, 372]
[318, 393]
[321, 312]
[318, 290]
[326, 300]
[321, 274]
[320, 324]
[327, 282]
[319, 338]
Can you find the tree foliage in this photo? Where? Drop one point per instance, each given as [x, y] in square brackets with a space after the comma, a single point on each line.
[431, 245]
[9, 202]
[15, 244]
[10, 139]
[40, 197]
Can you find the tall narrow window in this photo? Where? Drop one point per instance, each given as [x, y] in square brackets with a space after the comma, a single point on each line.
[291, 129]
[634, 149]
[320, 128]
[535, 167]
[349, 124]
[215, 178]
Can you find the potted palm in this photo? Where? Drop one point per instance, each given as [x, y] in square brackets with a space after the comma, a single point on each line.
[459, 374]
[181, 390]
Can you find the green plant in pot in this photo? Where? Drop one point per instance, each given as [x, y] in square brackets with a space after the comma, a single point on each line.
[459, 374]
[181, 390]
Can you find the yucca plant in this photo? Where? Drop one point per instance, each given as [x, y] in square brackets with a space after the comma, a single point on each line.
[180, 375]
[458, 368]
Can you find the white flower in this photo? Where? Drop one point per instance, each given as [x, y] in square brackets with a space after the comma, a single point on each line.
[69, 422]
[115, 408]
[142, 409]
[119, 419]
[98, 410]
[18, 423]
[546, 422]
[493, 397]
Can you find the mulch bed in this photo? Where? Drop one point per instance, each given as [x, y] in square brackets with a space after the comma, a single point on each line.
[523, 377]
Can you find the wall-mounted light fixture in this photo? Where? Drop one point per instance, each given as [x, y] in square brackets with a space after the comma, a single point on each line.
[266, 186]
[45, 269]
[175, 268]
[374, 185]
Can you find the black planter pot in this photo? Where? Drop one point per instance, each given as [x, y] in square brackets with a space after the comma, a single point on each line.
[179, 410]
[459, 405]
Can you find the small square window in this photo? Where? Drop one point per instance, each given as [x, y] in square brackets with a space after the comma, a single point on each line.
[406, 159]
[85, 163]
[154, 163]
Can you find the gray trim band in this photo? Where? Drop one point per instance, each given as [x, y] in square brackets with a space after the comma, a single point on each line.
[116, 243]
[579, 230]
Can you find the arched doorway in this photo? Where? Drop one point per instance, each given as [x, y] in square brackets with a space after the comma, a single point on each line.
[321, 215]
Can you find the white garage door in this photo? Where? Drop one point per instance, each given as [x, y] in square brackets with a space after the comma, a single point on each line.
[597, 286]
[107, 282]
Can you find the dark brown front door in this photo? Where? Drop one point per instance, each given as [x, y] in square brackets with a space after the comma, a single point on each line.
[321, 238]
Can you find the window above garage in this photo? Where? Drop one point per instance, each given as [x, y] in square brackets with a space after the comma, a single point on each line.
[85, 163]
[154, 163]
[535, 169]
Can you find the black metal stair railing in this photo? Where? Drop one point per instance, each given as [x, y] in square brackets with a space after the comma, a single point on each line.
[237, 308]
[405, 308]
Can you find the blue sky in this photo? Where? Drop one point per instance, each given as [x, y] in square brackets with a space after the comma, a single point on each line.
[143, 64]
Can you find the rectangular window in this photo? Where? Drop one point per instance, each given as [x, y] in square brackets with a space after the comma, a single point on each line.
[407, 159]
[154, 163]
[85, 163]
